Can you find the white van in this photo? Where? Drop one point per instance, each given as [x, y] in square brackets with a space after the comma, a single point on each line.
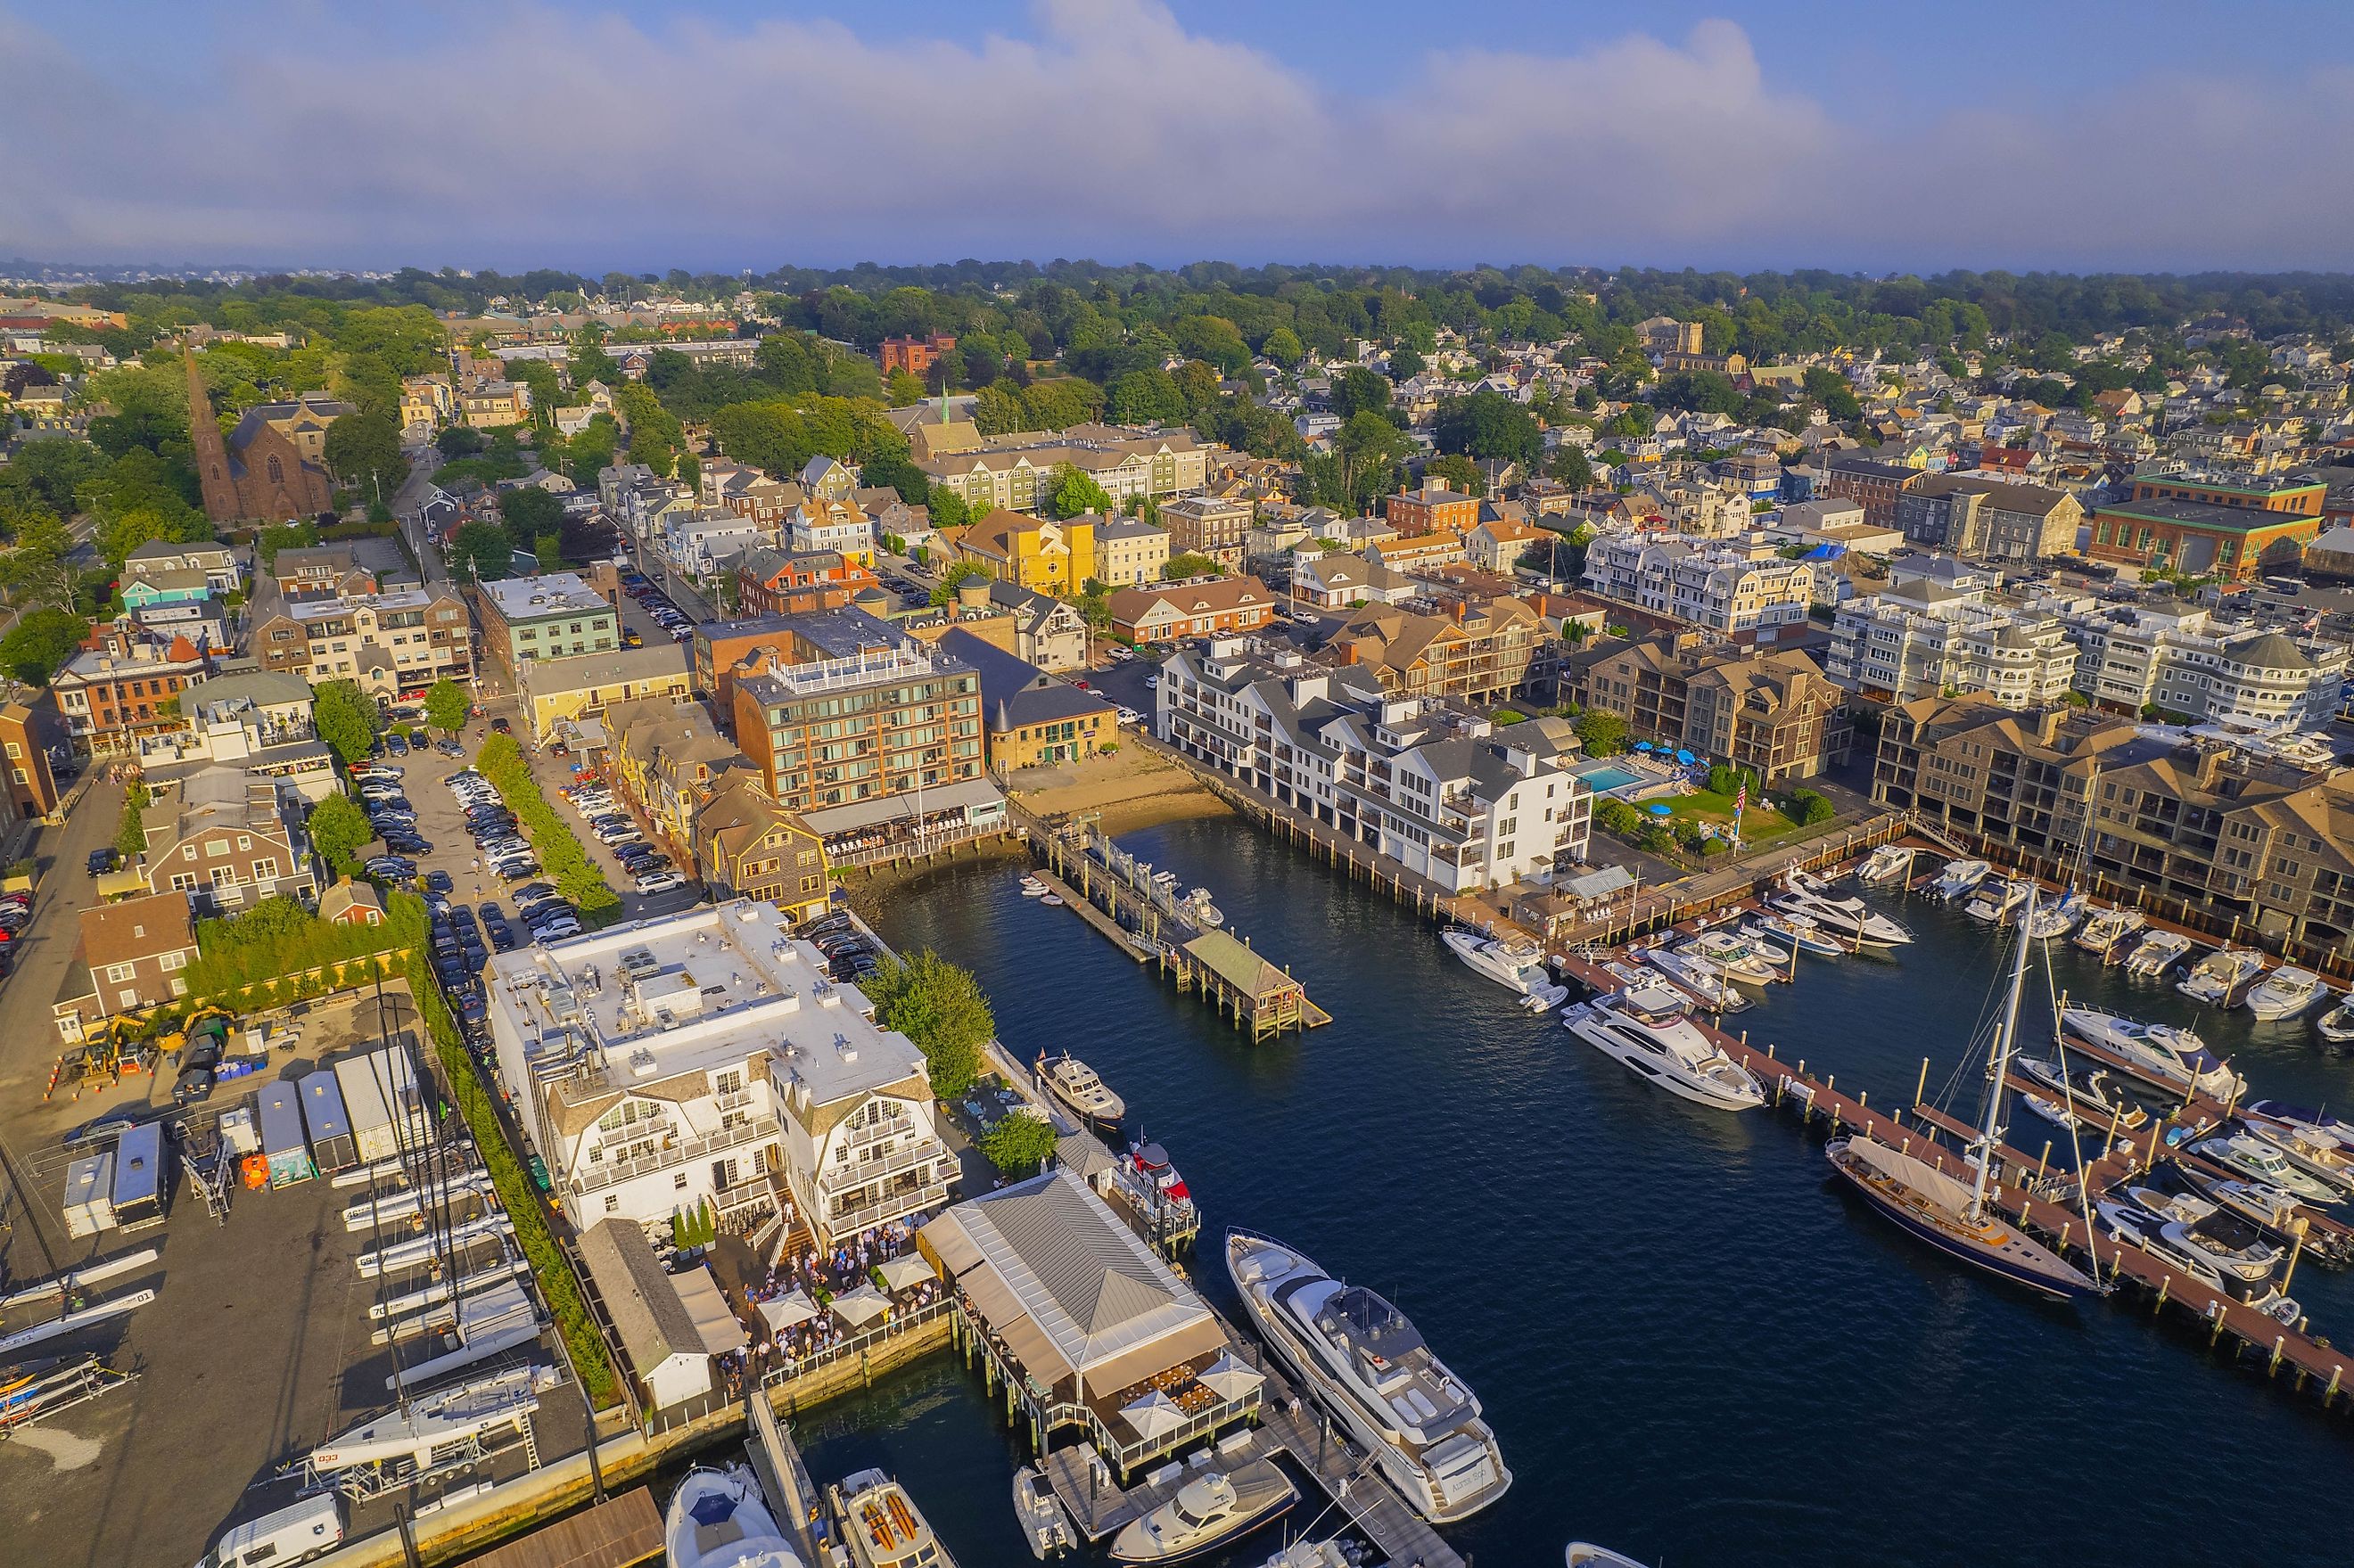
[294, 1534]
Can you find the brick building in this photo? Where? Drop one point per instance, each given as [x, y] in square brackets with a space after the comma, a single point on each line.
[2199, 522]
[914, 355]
[1432, 509]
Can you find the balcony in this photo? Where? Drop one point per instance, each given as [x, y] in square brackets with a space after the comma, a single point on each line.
[893, 1205]
[597, 1178]
[922, 1151]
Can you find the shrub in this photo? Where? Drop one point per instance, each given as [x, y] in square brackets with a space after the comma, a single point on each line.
[1019, 1145]
[500, 761]
[1808, 807]
[1614, 816]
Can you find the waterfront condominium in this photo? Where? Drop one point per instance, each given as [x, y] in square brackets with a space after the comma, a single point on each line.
[706, 1058]
[1436, 790]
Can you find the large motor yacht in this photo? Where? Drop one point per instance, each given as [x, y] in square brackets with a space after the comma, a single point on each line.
[1958, 877]
[1517, 965]
[1746, 958]
[1367, 1364]
[2175, 1057]
[1850, 919]
[1645, 1028]
[718, 1518]
[1075, 1084]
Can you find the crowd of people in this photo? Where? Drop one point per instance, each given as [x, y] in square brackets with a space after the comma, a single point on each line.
[820, 1274]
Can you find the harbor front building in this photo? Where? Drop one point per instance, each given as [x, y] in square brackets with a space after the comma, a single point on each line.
[2198, 521]
[1439, 791]
[1771, 712]
[706, 1058]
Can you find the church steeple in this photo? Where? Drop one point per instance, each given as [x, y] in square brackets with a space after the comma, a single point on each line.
[211, 451]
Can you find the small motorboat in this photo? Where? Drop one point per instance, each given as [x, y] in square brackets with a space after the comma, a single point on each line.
[1796, 931]
[2087, 1087]
[1077, 1085]
[1044, 1523]
[1515, 963]
[2055, 920]
[1338, 1553]
[1994, 902]
[1744, 959]
[2219, 978]
[1033, 888]
[2158, 953]
[1051, 900]
[1207, 1511]
[2260, 1162]
[1958, 877]
[883, 1526]
[2105, 932]
[1885, 864]
[2316, 1152]
[1705, 979]
[1586, 1554]
[2285, 993]
[719, 1519]
[2051, 1111]
[1544, 998]
[2337, 1025]
[1205, 914]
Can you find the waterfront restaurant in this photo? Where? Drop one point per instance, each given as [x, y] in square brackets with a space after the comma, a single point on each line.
[1082, 1325]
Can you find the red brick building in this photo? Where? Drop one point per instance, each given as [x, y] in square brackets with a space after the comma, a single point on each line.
[789, 582]
[1432, 509]
[914, 355]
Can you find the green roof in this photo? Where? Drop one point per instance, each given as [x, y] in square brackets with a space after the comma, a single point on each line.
[1235, 963]
[2201, 515]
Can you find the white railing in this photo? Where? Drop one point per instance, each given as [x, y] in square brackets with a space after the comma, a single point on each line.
[858, 1171]
[597, 1178]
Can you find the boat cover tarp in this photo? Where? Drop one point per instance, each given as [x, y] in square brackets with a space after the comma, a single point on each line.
[1918, 1174]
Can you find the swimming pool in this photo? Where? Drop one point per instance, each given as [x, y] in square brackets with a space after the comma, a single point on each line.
[1606, 777]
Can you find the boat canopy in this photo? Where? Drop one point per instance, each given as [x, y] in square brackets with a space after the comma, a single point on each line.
[1918, 1174]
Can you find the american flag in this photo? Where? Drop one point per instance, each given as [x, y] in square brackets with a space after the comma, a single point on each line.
[1741, 798]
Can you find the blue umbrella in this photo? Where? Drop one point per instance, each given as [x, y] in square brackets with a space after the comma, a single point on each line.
[1685, 758]
[1663, 811]
[1642, 745]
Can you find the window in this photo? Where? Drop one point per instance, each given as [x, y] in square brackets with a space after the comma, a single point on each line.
[118, 973]
[612, 1202]
[174, 960]
[679, 1181]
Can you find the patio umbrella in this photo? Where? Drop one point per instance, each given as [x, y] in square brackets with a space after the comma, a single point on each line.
[786, 1311]
[900, 1273]
[1642, 745]
[1154, 1413]
[860, 1306]
[1685, 758]
[1229, 1379]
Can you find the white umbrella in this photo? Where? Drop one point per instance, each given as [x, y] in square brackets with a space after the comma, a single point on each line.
[860, 1307]
[1154, 1413]
[899, 1273]
[786, 1311]
[1229, 1379]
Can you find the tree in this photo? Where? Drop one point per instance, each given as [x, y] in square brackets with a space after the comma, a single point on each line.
[1569, 465]
[941, 1009]
[1075, 493]
[1488, 425]
[1019, 1145]
[480, 552]
[1189, 564]
[549, 549]
[1829, 388]
[364, 451]
[529, 512]
[459, 441]
[1407, 361]
[40, 570]
[904, 389]
[130, 834]
[40, 643]
[338, 827]
[944, 592]
[1147, 397]
[1808, 807]
[1357, 391]
[1283, 346]
[1602, 735]
[277, 537]
[447, 705]
[1461, 474]
[1613, 815]
[346, 719]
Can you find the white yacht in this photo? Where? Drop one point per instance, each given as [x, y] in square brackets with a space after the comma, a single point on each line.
[2087, 1087]
[2053, 921]
[1887, 863]
[1705, 977]
[1994, 902]
[1958, 877]
[1586, 1554]
[1797, 931]
[438, 1427]
[1743, 957]
[1850, 919]
[883, 1525]
[2195, 1236]
[2175, 1057]
[1517, 964]
[1045, 1525]
[2314, 1151]
[1366, 1364]
[1075, 1084]
[2157, 953]
[2285, 993]
[2217, 979]
[1337, 1552]
[1645, 1029]
[2336, 1026]
[2106, 932]
[1207, 1511]
[718, 1518]
[2259, 1161]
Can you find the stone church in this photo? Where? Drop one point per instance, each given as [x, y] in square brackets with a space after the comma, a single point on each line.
[271, 468]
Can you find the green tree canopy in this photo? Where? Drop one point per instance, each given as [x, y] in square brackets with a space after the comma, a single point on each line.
[481, 552]
[1144, 397]
[348, 719]
[364, 451]
[447, 705]
[1602, 735]
[942, 1009]
[338, 827]
[1019, 1145]
[1461, 474]
[1190, 564]
[529, 512]
[1488, 425]
[1283, 346]
[1075, 493]
[40, 643]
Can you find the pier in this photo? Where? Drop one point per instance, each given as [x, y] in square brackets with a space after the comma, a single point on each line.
[2037, 1199]
[1114, 892]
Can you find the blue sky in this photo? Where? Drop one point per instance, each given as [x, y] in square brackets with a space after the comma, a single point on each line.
[734, 133]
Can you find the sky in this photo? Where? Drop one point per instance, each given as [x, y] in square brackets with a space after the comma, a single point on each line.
[728, 134]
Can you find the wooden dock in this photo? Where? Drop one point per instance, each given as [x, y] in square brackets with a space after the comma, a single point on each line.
[2049, 1204]
[619, 1533]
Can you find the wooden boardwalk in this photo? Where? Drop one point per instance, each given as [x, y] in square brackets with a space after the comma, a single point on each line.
[2026, 1192]
[619, 1533]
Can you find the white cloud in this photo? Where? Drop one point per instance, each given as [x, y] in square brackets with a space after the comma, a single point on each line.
[515, 134]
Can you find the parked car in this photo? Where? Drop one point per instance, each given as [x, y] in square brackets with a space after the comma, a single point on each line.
[396, 743]
[659, 882]
[101, 861]
[502, 726]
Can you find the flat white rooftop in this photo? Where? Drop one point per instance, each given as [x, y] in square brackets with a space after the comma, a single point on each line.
[701, 990]
[551, 593]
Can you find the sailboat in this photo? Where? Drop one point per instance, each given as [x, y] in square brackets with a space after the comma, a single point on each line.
[1955, 1219]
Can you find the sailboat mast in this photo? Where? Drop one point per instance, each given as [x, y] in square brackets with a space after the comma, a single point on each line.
[2006, 1039]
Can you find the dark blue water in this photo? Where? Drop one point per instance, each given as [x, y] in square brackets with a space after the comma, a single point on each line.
[1693, 1346]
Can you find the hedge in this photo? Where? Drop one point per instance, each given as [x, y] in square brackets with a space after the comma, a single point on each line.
[278, 938]
[500, 761]
[517, 1193]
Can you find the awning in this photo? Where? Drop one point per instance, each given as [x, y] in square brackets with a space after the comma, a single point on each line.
[1154, 1413]
[1229, 1379]
[786, 1311]
[900, 1273]
[860, 1306]
[976, 798]
[715, 1323]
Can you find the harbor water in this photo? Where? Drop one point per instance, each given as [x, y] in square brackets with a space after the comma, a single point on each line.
[1693, 1344]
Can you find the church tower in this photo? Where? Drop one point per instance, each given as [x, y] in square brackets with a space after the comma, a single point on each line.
[211, 451]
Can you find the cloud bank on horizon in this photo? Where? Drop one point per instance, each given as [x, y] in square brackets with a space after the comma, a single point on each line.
[531, 136]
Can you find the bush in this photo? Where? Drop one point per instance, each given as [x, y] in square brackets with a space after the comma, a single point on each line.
[568, 865]
[277, 937]
[1614, 816]
[1019, 1145]
[1808, 807]
[557, 1284]
[1725, 780]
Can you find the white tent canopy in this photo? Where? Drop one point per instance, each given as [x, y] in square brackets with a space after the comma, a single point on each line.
[899, 1273]
[1154, 1413]
[786, 1311]
[1229, 1379]
[860, 1306]
[714, 1322]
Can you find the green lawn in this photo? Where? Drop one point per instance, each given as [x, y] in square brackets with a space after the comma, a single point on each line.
[1759, 823]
